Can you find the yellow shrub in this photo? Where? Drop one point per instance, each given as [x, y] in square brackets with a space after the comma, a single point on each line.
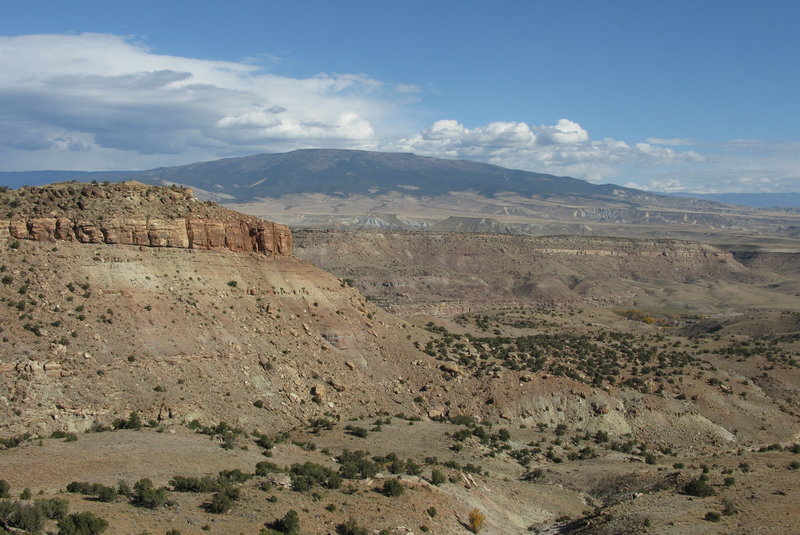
[476, 520]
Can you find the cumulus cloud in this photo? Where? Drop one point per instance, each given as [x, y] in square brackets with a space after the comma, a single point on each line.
[563, 148]
[99, 101]
[114, 96]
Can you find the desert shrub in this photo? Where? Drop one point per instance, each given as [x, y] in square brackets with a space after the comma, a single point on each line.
[350, 528]
[437, 477]
[412, 468]
[744, 467]
[305, 476]
[729, 508]
[20, 516]
[476, 521]
[431, 512]
[321, 423]
[265, 442]
[53, 508]
[145, 495]
[124, 489]
[132, 422]
[227, 477]
[356, 465]
[81, 487]
[194, 484]
[699, 487]
[4, 488]
[463, 419]
[222, 501]
[712, 516]
[472, 469]
[103, 493]
[794, 465]
[289, 524]
[107, 494]
[13, 442]
[356, 431]
[393, 487]
[25, 494]
[265, 467]
[81, 524]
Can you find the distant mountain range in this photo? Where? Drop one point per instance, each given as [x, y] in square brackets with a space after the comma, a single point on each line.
[343, 173]
[350, 172]
[329, 188]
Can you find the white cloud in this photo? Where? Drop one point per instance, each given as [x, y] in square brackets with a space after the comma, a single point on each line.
[116, 97]
[673, 142]
[98, 101]
[563, 148]
[564, 131]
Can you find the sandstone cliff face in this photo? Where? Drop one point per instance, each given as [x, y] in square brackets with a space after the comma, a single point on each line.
[262, 237]
[135, 214]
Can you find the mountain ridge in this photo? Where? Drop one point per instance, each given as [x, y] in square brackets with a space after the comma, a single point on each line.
[339, 171]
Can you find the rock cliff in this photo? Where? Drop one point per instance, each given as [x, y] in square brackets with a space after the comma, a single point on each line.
[135, 214]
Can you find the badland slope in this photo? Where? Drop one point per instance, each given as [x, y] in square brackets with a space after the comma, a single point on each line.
[529, 414]
[444, 273]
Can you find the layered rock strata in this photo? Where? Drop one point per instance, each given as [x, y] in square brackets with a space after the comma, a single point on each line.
[131, 213]
[236, 235]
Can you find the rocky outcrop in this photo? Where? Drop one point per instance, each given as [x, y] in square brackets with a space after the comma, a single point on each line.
[247, 234]
[131, 213]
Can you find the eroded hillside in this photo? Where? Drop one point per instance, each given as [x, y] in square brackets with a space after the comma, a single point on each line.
[443, 273]
[531, 397]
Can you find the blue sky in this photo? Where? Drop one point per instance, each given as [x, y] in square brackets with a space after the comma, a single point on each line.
[669, 96]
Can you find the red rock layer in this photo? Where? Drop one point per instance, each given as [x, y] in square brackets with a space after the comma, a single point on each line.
[236, 235]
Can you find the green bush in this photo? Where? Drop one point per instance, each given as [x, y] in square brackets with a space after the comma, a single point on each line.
[227, 477]
[265, 467]
[350, 528]
[222, 501]
[194, 484]
[356, 431]
[53, 508]
[699, 487]
[393, 487]
[132, 422]
[289, 524]
[437, 477]
[305, 476]
[21, 516]
[145, 495]
[124, 489]
[356, 465]
[711, 516]
[103, 493]
[107, 494]
[81, 524]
